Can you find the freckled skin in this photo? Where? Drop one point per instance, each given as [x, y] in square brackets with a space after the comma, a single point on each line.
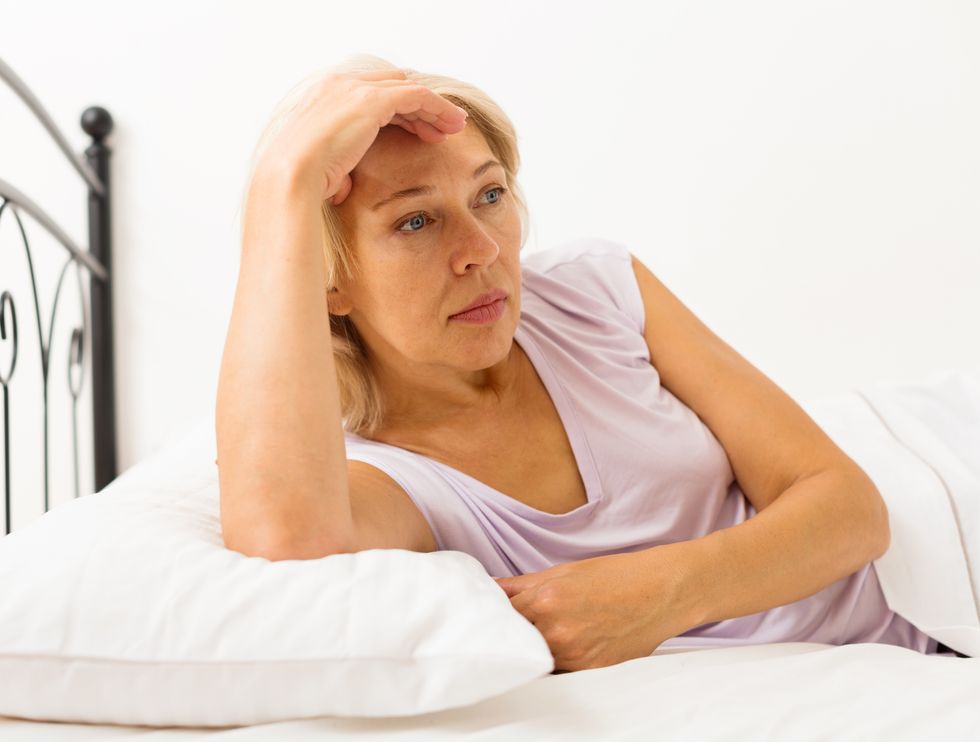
[411, 281]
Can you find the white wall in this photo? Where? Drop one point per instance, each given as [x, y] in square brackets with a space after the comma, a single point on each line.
[805, 176]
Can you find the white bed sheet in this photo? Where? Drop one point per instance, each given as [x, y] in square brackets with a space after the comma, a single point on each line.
[788, 691]
[785, 691]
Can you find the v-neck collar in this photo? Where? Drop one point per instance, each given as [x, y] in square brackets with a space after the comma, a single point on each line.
[568, 415]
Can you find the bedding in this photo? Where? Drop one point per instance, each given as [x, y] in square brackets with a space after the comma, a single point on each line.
[919, 443]
[779, 692]
[125, 607]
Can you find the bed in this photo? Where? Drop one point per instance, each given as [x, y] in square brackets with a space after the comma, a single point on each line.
[919, 441]
[766, 692]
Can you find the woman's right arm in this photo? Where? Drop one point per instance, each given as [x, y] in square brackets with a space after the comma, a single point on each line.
[282, 471]
[283, 468]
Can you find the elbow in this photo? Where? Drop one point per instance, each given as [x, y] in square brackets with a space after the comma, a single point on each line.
[886, 539]
[881, 524]
[292, 552]
[279, 547]
[264, 522]
[278, 551]
[877, 531]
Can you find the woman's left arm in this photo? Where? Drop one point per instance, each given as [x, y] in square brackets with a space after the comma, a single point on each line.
[819, 517]
[822, 529]
[608, 609]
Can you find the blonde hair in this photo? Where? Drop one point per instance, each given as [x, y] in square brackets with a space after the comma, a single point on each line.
[362, 406]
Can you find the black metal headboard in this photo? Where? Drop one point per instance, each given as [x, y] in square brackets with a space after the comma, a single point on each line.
[97, 261]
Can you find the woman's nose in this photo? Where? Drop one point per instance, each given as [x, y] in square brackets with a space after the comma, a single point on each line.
[475, 246]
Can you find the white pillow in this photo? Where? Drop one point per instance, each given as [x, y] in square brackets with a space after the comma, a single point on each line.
[919, 442]
[124, 607]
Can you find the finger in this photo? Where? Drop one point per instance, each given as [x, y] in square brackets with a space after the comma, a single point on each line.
[454, 110]
[392, 82]
[433, 108]
[511, 585]
[450, 110]
[417, 99]
[454, 113]
[387, 74]
[343, 191]
[523, 603]
[429, 133]
[426, 131]
[401, 121]
[420, 111]
[423, 115]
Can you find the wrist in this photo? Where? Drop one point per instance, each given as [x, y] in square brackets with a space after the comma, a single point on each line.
[689, 595]
[282, 177]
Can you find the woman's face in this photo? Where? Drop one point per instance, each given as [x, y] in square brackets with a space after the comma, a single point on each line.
[426, 255]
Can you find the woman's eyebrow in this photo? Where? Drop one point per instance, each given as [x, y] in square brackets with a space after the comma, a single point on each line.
[423, 190]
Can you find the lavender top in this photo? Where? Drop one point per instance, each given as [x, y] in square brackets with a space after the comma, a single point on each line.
[653, 472]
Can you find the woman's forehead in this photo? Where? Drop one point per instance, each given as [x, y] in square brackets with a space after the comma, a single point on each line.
[397, 153]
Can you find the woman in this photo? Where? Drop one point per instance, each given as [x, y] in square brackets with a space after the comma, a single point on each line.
[624, 474]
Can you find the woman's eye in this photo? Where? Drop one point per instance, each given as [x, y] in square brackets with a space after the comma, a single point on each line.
[413, 220]
[499, 190]
[417, 221]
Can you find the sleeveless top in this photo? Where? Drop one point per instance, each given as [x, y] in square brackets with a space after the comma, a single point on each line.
[653, 471]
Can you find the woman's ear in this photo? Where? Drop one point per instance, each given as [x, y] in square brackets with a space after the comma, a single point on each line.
[337, 302]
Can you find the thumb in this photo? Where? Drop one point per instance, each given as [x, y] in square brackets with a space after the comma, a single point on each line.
[510, 585]
[343, 192]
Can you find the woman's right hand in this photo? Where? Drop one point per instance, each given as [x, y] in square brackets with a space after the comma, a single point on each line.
[333, 126]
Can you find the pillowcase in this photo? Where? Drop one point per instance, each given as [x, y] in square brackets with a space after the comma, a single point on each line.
[125, 607]
[919, 442]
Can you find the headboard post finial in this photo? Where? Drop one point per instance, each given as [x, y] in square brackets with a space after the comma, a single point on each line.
[96, 122]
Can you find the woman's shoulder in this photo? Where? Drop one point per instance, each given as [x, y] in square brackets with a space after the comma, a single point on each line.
[588, 273]
[581, 250]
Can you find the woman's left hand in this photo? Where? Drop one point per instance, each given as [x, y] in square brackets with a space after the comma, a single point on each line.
[604, 610]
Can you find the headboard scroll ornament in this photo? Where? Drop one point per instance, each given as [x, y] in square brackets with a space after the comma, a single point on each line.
[96, 261]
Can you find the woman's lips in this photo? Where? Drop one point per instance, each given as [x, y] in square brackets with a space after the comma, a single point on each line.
[483, 314]
[488, 297]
